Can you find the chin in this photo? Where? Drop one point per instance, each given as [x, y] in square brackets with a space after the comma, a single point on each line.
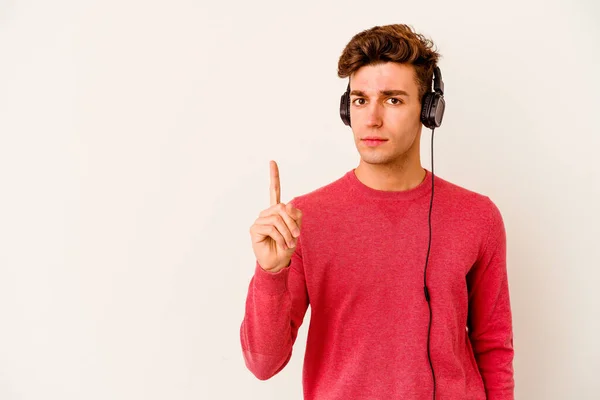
[377, 158]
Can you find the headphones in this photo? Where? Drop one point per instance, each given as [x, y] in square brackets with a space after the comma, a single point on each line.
[432, 108]
[432, 111]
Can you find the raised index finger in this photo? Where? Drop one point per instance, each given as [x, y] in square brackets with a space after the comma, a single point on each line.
[274, 189]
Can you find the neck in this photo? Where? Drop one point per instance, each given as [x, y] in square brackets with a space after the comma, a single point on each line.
[390, 177]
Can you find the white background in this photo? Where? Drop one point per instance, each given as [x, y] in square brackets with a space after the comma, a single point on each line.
[135, 138]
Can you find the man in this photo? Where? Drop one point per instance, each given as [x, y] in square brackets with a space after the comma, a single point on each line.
[355, 250]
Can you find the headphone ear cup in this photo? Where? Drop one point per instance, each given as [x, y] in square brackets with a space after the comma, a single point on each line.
[345, 108]
[438, 106]
[426, 110]
[432, 110]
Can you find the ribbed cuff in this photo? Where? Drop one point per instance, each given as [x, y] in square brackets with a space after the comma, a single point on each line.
[271, 283]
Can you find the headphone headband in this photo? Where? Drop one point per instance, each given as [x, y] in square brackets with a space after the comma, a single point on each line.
[438, 83]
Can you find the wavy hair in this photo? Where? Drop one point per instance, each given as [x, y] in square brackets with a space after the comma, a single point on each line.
[397, 43]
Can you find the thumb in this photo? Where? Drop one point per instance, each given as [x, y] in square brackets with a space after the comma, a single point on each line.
[294, 213]
[289, 208]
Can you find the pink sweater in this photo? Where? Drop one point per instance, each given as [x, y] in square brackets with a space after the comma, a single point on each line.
[359, 263]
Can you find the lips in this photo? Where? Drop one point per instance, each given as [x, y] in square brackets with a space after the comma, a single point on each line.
[373, 138]
[373, 141]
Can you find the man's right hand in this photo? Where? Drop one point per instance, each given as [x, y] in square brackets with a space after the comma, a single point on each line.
[275, 231]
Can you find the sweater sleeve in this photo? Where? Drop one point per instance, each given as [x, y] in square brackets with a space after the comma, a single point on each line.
[276, 304]
[490, 317]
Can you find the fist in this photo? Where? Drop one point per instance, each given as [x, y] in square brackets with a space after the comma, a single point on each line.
[275, 232]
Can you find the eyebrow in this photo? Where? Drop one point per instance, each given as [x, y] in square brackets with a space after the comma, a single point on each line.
[383, 92]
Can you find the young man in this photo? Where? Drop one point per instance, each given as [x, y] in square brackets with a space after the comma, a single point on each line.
[359, 259]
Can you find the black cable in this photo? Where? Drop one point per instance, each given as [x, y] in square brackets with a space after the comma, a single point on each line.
[427, 296]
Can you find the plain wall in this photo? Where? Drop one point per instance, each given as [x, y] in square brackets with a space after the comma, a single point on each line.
[135, 139]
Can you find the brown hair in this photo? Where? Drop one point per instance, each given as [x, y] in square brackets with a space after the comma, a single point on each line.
[397, 43]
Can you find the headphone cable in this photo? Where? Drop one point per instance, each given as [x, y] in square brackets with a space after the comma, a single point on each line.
[427, 296]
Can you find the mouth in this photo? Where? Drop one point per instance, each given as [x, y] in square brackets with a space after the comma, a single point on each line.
[373, 141]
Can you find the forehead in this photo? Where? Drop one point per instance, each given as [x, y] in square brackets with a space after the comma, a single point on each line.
[386, 76]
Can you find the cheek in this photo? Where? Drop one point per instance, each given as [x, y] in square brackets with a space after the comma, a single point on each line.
[404, 117]
[415, 115]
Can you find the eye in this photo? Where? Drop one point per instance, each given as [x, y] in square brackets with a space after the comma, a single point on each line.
[358, 98]
[396, 101]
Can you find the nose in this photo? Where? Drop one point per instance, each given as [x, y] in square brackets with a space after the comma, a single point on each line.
[374, 114]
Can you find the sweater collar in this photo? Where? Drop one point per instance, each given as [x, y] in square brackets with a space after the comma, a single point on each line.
[358, 187]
